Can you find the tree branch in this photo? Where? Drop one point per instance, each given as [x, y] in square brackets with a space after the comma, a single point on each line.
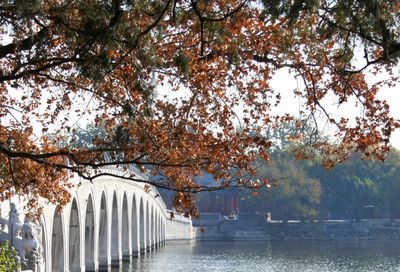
[25, 44]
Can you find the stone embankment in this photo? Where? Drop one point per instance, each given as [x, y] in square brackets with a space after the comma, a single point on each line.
[257, 227]
[179, 227]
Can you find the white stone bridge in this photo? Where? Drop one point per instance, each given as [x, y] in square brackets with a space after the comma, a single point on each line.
[107, 221]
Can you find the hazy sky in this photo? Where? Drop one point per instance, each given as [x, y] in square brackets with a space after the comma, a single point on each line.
[286, 83]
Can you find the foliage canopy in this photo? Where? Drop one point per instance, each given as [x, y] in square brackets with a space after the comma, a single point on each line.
[107, 60]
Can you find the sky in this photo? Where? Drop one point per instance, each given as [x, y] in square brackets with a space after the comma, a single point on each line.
[285, 83]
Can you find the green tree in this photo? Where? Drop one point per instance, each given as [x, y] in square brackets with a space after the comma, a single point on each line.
[291, 195]
[389, 185]
[8, 258]
[353, 189]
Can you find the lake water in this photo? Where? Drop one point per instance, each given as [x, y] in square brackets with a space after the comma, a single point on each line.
[250, 256]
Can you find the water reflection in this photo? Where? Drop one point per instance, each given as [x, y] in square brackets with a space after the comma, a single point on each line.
[304, 256]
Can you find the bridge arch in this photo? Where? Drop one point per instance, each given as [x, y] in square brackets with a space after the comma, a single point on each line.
[103, 232]
[43, 240]
[74, 243]
[57, 243]
[135, 227]
[152, 228]
[158, 228]
[125, 226]
[155, 227]
[148, 228]
[142, 223]
[115, 245]
[89, 235]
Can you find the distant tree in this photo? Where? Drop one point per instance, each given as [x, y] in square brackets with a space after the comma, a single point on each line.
[356, 188]
[294, 134]
[294, 195]
[389, 185]
[85, 137]
[112, 61]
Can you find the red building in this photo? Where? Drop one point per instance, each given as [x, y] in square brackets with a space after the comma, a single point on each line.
[224, 202]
